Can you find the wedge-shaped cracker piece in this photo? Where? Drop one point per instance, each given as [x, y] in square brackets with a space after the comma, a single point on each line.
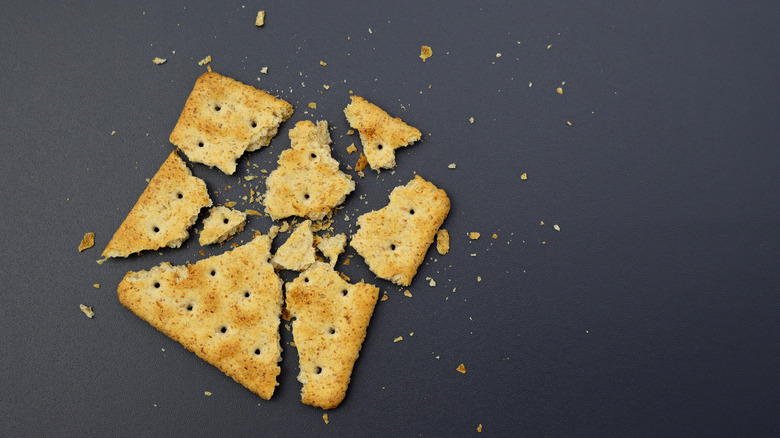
[308, 182]
[380, 133]
[394, 239]
[297, 253]
[222, 118]
[331, 319]
[222, 224]
[166, 209]
[332, 246]
[226, 309]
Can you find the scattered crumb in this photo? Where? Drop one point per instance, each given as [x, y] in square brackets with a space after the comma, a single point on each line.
[471, 119]
[557, 228]
[87, 311]
[480, 278]
[568, 123]
[559, 90]
[88, 241]
[159, 61]
[479, 428]
[96, 285]
[264, 70]
[407, 293]
[544, 242]
[260, 20]
[474, 235]
[350, 132]
[249, 177]
[498, 55]
[351, 149]
[549, 46]
[461, 368]
[208, 393]
[431, 282]
[253, 212]
[524, 176]
[113, 132]
[323, 63]
[230, 204]
[541, 223]
[313, 105]
[325, 418]
[398, 339]
[384, 298]
[495, 236]
[442, 241]
[530, 84]
[425, 52]
[361, 163]
[325, 86]
[204, 61]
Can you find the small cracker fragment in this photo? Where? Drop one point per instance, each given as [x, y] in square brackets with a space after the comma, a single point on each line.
[87, 311]
[325, 418]
[380, 133]
[557, 228]
[204, 61]
[96, 285]
[461, 369]
[425, 52]
[260, 20]
[479, 428]
[223, 118]
[297, 253]
[407, 293]
[313, 105]
[443, 241]
[226, 309]
[159, 61]
[222, 224]
[351, 149]
[332, 247]
[398, 339]
[524, 176]
[474, 235]
[166, 209]
[88, 241]
[361, 163]
[394, 239]
[307, 182]
[559, 90]
[331, 320]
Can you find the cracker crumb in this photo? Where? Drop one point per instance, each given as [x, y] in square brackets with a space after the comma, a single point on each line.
[530, 84]
[398, 339]
[559, 90]
[361, 163]
[495, 236]
[452, 166]
[498, 55]
[557, 228]
[474, 235]
[541, 223]
[230, 204]
[158, 60]
[480, 278]
[88, 241]
[264, 70]
[471, 119]
[87, 311]
[204, 61]
[350, 132]
[351, 149]
[461, 368]
[407, 293]
[425, 52]
[479, 428]
[249, 177]
[431, 282]
[208, 393]
[524, 176]
[260, 20]
[442, 241]
[325, 418]
[384, 298]
[568, 123]
[253, 212]
[323, 63]
[325, 86]
[549, 46]
[544, 242]
[113, 132]
[96, 285]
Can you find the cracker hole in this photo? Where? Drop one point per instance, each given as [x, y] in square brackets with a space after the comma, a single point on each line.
[306, 279]
[344, 292]
[253, 124]
[379, 147]
[156, 284]
[317, 370]
[156, 229]
[257, 352]
[189, 307]
[217, 108]
[313, 155]
[332, 331]
[213, 272]
[223, 329]
[200, 144]
[246, 294]
[392, 246]
[306, 196]
[179, 195]
[411, 211]
[226, 220]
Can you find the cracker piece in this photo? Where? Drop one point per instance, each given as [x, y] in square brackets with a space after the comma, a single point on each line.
[443, 241]
[87, 242]
[166, 209]
[87, 311]
[380, 133]
[225, 309]
[308, 182]
[221, 225]
[260, 19]
[297, 253]
[331, 247]
[331, 319]
[394, 239]
[223, 118]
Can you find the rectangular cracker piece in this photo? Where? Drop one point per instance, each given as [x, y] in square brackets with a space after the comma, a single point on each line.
[222, 224]
[331, 320]
[297, 253]
[226, 309]
[307, 182]
[394, 239]
[380, 133]
[223, 118]
[166, 209]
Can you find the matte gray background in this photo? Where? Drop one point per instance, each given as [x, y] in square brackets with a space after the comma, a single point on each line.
[653, 311]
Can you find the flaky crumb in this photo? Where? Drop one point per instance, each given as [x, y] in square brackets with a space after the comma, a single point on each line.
[471, 119]
[351, 149]
[264, 70]
[452, 166]
[313, 105]
[96, 285]
[323, 63]
[87, 311]
[407, 293]
[260, 20]
[88, 241]
[557, 228]
[495, 236]
[568, 123]
[498, 55]
[207, 393]
[325, 418]
[541, 222]
[559, 90]
[442, 241]
[361, 163]
[384, 298]
[159, 61]
[462, 369]
[479, 428]
[474, 235]
[350, 132]
[425, 52]
[398, 339]
[479, 278]
[204, 61]
[524, 176]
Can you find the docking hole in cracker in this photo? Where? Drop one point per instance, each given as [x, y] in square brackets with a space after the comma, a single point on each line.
[222, 224]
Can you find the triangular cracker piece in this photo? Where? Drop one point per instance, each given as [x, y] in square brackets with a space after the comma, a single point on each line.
[331, 319]
[380, 133]
[394, 239]
[332, 246]
[221, 225]
[222, 118]
[226, 309]
[297, 253]
[308, 182]
[166, 209]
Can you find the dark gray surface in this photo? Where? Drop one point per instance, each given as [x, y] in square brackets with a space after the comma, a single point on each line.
[654, 311]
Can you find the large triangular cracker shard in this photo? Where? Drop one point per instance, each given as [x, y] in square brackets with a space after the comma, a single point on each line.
[223, 118]
[331, 319]
[394, 239]
[380, 133]
[226, 309]
[308, 182]
[166, 209]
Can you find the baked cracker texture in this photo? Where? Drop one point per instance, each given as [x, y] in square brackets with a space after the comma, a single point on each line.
[226, 309]
[222, 224]
[394, 239]
[223, 118]
[331, 319]
[166, 209]
[307, 182]
[331, 247]
[380, 133]
[297, 252]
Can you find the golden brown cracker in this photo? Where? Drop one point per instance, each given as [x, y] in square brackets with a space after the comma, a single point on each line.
[394, 239]
[88, 241]
[225, 309]
[331, 247]
[443, 241]
[221, 225]
[166, 209]
[297, 253]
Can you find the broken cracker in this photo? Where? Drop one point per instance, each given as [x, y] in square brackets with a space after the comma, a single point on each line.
[380, 133]
[223, 118]
[443, 241]
[226, 309]
[222, 224]
[331, 319]
[297, 253]
[332, 247]
[307, 182]
[87, 242]
[394, 239]
[166, 209]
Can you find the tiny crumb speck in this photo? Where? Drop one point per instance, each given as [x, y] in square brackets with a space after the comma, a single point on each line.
[159, 61]
[323, 63]
[407, 293]
[264, 70]
[452, 166]
[524, 176]
[498, 55]
[461, 368]
[325, 418]
[559, 90]
[471, 119]
[88, 241]
[87, 311]
[398, 339]
[474, 235]
[479, 428]
[208, 393]
[260, 20]
[425, 52]
[204, 61]
[479, 278]
[557, 228]
[113, 132]
[96, 285]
